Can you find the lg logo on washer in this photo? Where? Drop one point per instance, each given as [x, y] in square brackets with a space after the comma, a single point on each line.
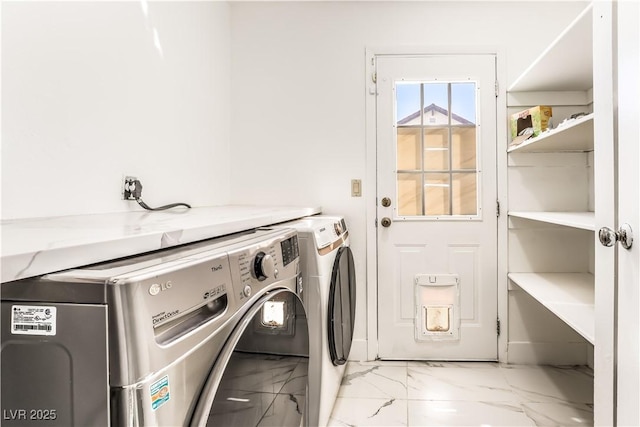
[156, 288]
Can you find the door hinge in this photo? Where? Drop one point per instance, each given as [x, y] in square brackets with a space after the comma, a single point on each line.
[375, 223]
[497, 88]
[498, 326]
[497, 208]
[374, 77]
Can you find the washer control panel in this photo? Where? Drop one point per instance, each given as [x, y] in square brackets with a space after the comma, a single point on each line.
[290, 249]
[259, 265]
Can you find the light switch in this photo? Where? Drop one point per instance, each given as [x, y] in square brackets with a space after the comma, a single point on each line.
[356, 188]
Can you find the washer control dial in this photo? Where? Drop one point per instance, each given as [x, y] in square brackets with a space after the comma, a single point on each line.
[263, 266]
[247, 291]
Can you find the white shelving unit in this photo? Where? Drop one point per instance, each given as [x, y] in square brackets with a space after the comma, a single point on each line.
[577, 135]
[570, 296]
[561, 281]
[581, 220]
[551, 188]
[561, 188]
[566, 65]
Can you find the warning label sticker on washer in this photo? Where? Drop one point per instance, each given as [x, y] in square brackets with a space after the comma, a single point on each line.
[33, 320]
[159, 392]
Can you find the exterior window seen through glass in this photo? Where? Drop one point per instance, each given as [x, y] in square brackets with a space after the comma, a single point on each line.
[436, 149]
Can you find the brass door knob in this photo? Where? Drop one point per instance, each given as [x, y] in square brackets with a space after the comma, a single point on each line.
[385, 222]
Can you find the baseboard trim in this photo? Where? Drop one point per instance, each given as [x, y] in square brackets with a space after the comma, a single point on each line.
[535, 353]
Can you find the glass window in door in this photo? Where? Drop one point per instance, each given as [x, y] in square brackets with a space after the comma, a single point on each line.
[437, 171]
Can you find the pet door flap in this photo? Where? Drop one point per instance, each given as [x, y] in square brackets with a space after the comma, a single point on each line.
[277, 316]
[437, 314]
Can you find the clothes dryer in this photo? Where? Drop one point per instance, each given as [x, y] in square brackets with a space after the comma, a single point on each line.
[161, 339]
[329, 297]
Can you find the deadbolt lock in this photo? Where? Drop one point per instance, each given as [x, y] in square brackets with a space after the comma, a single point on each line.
[386, 202]
[385, 222]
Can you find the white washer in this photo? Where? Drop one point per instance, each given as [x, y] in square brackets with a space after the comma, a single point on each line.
[329, 296]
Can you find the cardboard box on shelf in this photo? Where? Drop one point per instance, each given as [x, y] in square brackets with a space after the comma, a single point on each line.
[536, 118]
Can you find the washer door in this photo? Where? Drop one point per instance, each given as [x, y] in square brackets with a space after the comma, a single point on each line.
[261, 375]
[342, 306]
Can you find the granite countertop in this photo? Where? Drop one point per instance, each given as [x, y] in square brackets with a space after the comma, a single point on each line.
[35, 246]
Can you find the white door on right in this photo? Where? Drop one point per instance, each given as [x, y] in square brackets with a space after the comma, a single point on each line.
[628, 348]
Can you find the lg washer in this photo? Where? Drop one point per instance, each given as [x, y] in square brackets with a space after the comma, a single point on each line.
[166, 338]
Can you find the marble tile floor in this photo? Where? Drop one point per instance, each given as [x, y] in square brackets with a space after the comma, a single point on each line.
[463, 394]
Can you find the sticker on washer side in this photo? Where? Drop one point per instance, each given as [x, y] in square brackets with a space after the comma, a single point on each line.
[159, 392]
[33, 320]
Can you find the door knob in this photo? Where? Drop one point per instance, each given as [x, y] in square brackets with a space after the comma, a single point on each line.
[385, 222]
[609, 237]
[386, 202]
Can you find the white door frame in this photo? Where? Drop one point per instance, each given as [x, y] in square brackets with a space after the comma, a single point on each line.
[371, 177]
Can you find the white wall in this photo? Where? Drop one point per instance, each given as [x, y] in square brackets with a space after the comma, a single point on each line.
[88, 96]
[92, 91]
[298, 91]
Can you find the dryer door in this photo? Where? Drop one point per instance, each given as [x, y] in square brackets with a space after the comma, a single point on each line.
[261, 376]
[342, 306]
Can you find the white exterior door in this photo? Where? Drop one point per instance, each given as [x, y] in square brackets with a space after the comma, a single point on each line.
[436, 207]
[628, 351]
